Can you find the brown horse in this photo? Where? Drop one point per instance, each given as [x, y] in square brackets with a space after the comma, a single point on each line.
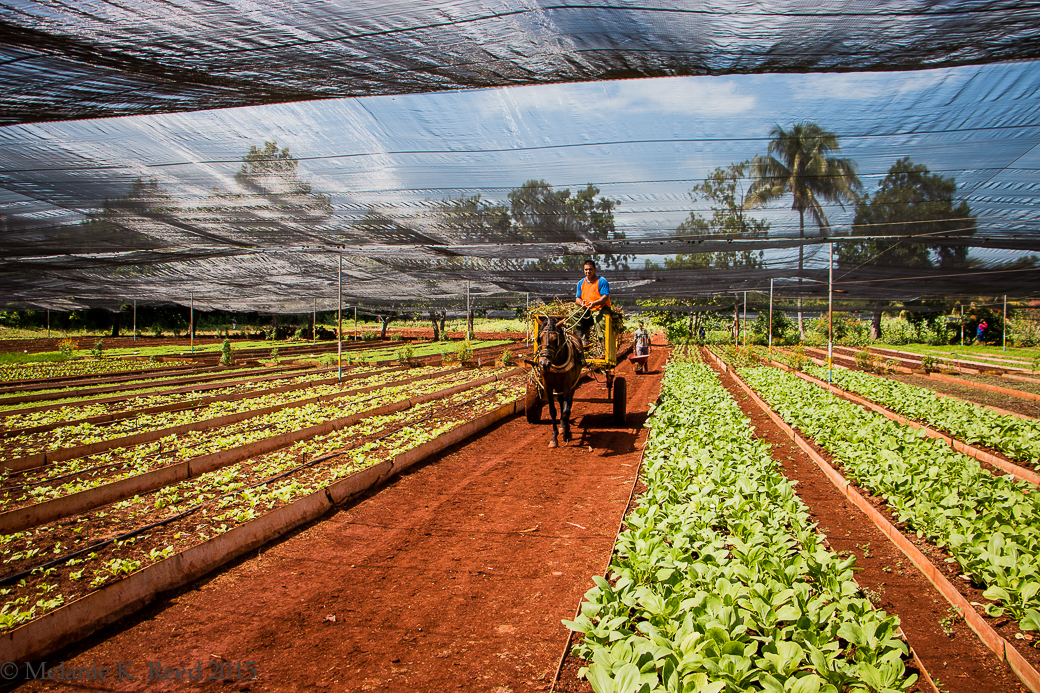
[559, 367]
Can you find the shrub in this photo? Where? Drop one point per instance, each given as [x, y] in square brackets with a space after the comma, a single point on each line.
[464, 351]
[506, 359]
[225, 353]
[98, 350]
[274, 353]
[67, 346]
[405, 353]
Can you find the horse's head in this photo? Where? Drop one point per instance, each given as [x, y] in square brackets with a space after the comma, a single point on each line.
[551, 340]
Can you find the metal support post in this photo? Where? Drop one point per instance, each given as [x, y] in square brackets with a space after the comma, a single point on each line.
[770, 328]
[830, 311]
[469, 319]
[744, 321]
[191, 323]
[339, 321]
[1005, 322]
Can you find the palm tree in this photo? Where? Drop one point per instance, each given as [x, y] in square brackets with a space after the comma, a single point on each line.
[797, 163]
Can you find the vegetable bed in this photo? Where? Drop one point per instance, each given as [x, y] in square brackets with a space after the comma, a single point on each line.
[57, 563]
[1017, 438]
[83, 367]
[720, 581]
[60, 479]
[989, 524]
[85, 433]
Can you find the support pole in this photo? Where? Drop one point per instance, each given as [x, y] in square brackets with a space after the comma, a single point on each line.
[355, 323]
[1005, 322]
[135, 319]
[962, 324]
[469, 315]
[830, 311]
[191, 323]
[339, 321]
[770, 328]
[744, 325]
[314, 323]
[48, 323]
[526, 318]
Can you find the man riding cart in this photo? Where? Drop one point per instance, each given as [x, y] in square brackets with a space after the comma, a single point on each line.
[593, 294]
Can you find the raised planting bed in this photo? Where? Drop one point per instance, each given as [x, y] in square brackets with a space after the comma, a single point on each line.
[117, 560]
[83, 369]
[1023, 390]
[995, 462]
[46, 393]
[989, 524]
[1017, 437]
[1023, 663]
[107, 409]
[62, 442]
[720, 581]
[145, 468]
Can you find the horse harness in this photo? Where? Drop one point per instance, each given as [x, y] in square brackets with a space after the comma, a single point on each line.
[552, 354]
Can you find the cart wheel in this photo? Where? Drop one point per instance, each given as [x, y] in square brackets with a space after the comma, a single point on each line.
[533, 405]
[620, 400]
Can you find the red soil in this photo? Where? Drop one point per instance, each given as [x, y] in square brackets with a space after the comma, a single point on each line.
[455, 576]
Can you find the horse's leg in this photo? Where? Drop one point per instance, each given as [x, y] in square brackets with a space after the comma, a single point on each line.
[565, 414]
[552, 414]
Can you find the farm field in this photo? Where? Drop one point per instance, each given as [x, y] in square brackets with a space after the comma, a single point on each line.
[289, 442]
[494, 531]
[967, 502]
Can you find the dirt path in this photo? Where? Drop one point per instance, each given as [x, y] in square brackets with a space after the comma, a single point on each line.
[949, 650]
[454, 577]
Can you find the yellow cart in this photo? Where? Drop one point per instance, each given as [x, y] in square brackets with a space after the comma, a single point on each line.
[600, 358]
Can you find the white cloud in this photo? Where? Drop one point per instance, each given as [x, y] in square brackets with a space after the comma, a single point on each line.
[672, 95]
[869, 86]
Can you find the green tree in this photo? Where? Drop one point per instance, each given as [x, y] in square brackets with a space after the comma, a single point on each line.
[799, 163]
[270, 171]
[540, 213]
[724, 190]
[909, 201]
[474, 220]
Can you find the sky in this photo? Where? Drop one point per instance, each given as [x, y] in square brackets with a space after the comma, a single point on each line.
[643, 142]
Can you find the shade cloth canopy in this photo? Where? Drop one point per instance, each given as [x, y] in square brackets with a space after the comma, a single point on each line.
[168, 203]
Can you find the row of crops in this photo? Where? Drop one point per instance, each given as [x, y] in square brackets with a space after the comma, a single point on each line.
[298, 410]
[59, 369]
[311, 434]
[1017, 438]
[989, 523]
[720, 581]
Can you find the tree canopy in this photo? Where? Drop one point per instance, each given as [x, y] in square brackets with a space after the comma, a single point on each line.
[910, 201]
[724, 190]
[798, 163]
